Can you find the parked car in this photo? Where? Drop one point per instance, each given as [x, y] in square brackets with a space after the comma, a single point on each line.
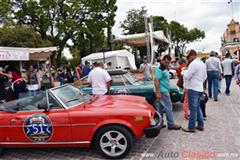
[65, 117]
[124, 82]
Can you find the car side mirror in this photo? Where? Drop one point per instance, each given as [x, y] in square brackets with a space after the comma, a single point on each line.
[44, 107]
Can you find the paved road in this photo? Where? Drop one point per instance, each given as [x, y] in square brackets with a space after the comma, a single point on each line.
[220, 140]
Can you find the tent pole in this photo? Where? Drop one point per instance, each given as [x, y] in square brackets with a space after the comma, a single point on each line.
[147, 38]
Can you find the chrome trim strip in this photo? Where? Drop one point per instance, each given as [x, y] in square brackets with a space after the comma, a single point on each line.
[42, 143]
[61, 125]
[84, 124]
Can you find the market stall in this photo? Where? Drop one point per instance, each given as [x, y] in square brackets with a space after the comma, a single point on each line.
[21, 57]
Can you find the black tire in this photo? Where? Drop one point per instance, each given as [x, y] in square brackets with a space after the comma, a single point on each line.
[1, 151]
[114, 130]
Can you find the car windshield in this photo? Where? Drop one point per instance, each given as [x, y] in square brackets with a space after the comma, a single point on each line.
[70, 96]
[131, 78]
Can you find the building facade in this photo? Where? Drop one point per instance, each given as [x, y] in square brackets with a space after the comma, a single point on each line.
[231, 39]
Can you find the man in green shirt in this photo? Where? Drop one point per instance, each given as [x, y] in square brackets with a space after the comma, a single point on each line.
[162, 89]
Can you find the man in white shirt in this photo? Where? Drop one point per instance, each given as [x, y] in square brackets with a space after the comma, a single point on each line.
[145, 68]
[227, 72]
[195, 75]
[100, 80]
[214, 70]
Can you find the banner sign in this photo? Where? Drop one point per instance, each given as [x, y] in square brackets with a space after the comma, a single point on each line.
[13, 54]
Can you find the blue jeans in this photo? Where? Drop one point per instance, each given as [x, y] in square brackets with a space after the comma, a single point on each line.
[213, 82]
[166, 104]
[61, 80]
[195, 110]
[228, 79]
[32, 93]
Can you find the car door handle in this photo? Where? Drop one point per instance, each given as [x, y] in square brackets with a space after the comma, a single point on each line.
[16, 119]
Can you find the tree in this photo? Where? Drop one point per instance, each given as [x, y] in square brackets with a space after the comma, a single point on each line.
[61, 20]
[5, 9]
[22, 37]
[135, 21]
[180, 35]
[160, 24]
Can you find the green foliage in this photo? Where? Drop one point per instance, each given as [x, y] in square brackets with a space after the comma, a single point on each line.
[64, 20]
[160, 23]
[5, 9]
[22, 37]
[134, 22]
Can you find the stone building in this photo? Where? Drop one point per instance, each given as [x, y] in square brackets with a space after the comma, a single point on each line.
[231, 39]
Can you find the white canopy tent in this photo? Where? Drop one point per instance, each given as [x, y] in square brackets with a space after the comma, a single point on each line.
[119, 59]
[138, 40]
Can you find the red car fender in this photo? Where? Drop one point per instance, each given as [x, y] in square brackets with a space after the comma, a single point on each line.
[138, 131]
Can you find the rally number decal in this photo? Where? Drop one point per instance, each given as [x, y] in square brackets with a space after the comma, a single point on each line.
[38, 128]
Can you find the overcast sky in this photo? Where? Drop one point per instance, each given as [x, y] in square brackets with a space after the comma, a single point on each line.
[211, 16]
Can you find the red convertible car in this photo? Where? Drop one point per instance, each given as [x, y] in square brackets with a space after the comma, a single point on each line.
[64, 117]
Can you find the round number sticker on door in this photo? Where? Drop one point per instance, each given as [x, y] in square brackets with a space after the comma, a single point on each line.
[38, 128]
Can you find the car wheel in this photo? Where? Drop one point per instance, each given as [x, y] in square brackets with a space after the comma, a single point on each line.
[114, 141]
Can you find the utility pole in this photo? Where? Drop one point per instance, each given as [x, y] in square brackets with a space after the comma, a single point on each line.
[151, 40]
[147, 37]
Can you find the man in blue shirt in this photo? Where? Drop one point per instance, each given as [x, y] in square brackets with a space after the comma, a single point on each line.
[86, 68]
[162, 88]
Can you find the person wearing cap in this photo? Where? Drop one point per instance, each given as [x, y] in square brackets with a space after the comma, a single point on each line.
[195, 75]
[145, 68]
[162, 91]
[214, 71]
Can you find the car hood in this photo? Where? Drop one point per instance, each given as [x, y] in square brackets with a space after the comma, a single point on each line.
[122, 101]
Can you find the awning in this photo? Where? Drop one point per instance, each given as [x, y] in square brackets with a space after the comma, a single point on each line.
[139, 40]
[41, 54]
[25, 54]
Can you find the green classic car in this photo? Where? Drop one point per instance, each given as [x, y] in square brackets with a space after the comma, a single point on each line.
[125, 83]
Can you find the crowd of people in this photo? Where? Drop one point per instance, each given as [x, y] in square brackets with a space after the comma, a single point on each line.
[37, 78]
[194, 76]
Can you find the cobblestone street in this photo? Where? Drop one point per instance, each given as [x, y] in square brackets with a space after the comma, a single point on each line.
[219, 140]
